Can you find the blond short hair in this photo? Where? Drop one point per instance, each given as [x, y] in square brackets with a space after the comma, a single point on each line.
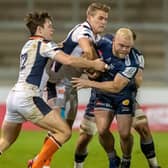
[93, 7]
[125, 33]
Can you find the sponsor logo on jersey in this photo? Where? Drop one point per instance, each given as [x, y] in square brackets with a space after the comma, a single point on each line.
[125, 102]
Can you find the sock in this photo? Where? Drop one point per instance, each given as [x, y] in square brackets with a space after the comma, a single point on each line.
[111, 155]
[80, 157]
[48, 161]
[48, 149]
[148, 150]
[114, 160]
[126, 159]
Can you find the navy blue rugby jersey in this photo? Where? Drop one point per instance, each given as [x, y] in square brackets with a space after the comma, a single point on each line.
[127, 67]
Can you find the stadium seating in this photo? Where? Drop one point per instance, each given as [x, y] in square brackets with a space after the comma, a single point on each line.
[151, 42]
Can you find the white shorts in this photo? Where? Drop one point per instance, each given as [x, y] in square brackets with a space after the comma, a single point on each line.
[25, 106]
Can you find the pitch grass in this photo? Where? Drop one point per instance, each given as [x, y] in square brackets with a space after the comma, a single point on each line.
[29, 143]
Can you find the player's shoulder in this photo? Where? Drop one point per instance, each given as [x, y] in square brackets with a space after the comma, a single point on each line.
[136, 51]
[137, 56]
[82, 30]
[83, 27]
[108, 37]
[49, 45]
[105, 40]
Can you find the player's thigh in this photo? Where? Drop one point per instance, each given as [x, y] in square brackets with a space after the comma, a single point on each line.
[104, 113]
[53, 122]
[36, 110]
[103, 119]
[124, 111]
[10, 131]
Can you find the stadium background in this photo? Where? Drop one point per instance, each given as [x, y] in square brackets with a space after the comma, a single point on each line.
[149, 19]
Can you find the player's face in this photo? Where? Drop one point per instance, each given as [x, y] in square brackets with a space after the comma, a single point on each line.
[98, 21]
[47, 30]
[121, 47]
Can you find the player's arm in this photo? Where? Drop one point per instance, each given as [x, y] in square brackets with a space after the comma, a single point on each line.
[139, 78]
[79, 62]
[89, 51]
[114, 86]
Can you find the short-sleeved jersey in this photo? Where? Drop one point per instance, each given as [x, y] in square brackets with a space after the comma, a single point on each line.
[124, 101]
[71, 46]
[127, 67]
[33, 59]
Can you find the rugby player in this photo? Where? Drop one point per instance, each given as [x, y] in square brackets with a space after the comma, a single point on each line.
[140, 123]
[24, 102]
[80, 41]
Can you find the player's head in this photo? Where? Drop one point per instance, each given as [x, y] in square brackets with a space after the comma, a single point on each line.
[123, 42]
[97, 15]
[40, 24]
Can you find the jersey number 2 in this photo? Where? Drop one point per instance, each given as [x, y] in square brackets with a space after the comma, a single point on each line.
[23, 59]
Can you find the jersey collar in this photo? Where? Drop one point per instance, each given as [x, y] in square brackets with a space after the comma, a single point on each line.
[35, 37]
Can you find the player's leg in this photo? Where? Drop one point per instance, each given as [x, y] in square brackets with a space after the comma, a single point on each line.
[140, 123]
[9, 133]
[59, 134]
[103, 121]
[104, 114]
[41, 115]
[12, 123]
[67, 100]
[124, 122]
[124, 110]
[87, 131]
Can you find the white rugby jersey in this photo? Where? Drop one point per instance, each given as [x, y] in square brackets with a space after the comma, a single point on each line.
[71, 46]
[33, 59]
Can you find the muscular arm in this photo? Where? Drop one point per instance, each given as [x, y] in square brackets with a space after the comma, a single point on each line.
[89, 51]
[79, 62]
[114, 86]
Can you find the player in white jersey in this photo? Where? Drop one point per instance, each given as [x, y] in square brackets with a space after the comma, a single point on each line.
[81, 39]
[24, 102]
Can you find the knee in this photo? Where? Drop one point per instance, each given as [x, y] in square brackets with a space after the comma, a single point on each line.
[143, 130]
[125, 135]
[102, 132]
[67, 133]
[88, 126]
[63, 134]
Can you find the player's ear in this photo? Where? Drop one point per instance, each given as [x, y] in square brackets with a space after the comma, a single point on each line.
[39, 30]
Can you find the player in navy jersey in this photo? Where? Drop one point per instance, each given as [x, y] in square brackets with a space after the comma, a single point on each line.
[114, 92]
[88, 127]
[25, 102]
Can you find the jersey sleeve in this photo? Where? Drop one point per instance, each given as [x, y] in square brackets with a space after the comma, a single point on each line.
[139, 58]
[141, 61]
[81, 32]
[49, 49]
[129, 72]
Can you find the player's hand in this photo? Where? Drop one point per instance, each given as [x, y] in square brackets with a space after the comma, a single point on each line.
[99, 65]
[80, 83]
[92, 75]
